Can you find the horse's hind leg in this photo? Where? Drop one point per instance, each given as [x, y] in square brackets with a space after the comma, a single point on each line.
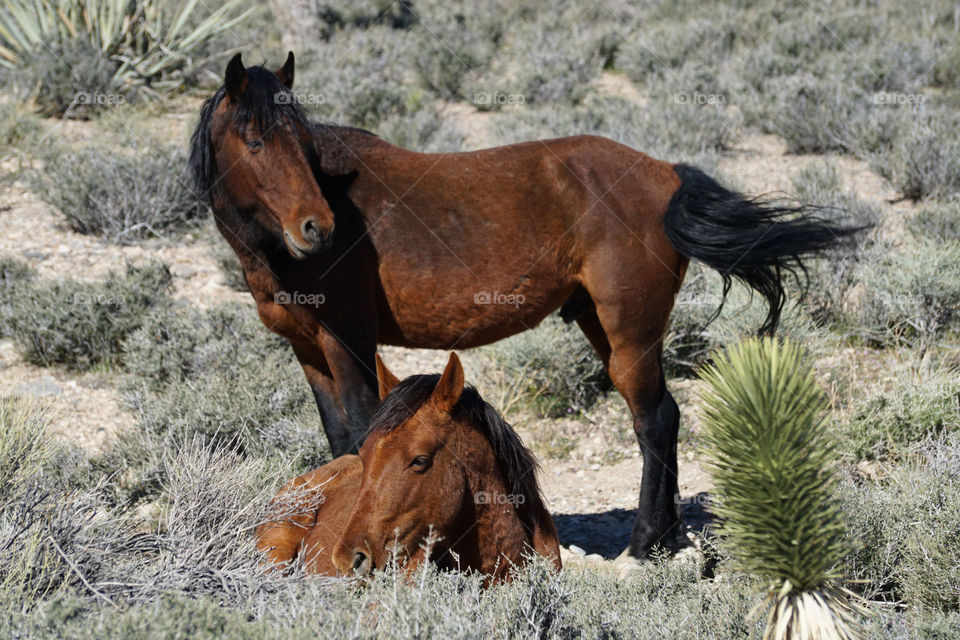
[589, 323]
[636, 369]
[634, 327]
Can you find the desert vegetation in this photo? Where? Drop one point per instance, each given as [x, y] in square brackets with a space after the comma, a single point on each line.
[121, 309]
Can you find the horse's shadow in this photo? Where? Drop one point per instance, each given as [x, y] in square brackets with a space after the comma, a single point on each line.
[608, 533]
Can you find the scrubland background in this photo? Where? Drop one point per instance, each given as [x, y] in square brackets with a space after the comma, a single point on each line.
[147, 416]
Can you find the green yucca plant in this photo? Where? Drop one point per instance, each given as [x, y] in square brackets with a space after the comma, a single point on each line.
[773, 464]
[150, 47]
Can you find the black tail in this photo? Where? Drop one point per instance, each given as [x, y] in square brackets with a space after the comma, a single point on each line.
[753, 240]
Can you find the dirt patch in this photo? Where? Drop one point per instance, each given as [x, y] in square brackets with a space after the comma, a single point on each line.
[84, 409]
[36, 234]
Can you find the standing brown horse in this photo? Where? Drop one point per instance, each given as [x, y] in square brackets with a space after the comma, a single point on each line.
[439, 461]
[348, 242]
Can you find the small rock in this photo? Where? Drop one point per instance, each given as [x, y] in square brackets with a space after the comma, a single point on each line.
[866, 469]
[593, 557]
[624, 569]
[39, 388]
[687, 554]
[569, 559]
[34, 255]
[577, 550]
[184, 271]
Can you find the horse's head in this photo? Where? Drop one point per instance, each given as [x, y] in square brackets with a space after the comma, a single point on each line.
[439, 460]
[252, 151]
[411, 479]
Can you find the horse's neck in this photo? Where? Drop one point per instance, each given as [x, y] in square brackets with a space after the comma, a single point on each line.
[503, 531]
[254, 247]
[341, 149]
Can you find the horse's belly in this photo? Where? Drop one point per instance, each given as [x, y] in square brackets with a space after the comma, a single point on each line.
[465, 317]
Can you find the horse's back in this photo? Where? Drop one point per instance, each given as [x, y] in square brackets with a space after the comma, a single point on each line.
[310, 513]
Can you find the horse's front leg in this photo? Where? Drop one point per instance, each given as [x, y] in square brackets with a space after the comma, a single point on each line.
[353, 370]
[333, 416]
[322, 363]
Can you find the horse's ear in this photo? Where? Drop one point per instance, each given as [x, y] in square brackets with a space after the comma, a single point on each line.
[236, 78]
[285, 73]
[450, 386]
[385, 378]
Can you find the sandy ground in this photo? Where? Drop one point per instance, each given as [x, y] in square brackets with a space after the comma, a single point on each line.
[592, 491]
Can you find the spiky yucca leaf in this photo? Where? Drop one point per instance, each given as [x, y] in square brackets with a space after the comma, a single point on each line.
[149, 46]
[773, 464]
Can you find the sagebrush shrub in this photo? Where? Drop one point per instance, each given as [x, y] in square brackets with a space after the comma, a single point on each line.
[17, 125]
[911, 294]
[427, 130]
[120, 195]
[659, 46]
[458, 41]
[359, 86]
[25, 445]
[834, 279]
[65, 88]
[82, 324]
[888, 422]
[672, 132]
[219, 375]
[551, 369]
[906, 532]
[817, 116]
[558, 63]
[926, 159]
[939, 221]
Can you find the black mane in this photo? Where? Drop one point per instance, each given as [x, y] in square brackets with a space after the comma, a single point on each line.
[267, 103]
[516, 462]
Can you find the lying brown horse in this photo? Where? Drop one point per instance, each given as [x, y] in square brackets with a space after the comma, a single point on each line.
[437, 460]
[348, 242]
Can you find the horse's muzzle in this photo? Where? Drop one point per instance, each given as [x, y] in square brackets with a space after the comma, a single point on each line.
[314, 239]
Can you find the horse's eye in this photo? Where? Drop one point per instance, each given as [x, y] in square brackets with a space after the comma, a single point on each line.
[420, 463]
[255, 145]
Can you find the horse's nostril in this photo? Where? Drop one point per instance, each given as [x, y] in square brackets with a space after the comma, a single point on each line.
[310, 230]
[360, 562]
